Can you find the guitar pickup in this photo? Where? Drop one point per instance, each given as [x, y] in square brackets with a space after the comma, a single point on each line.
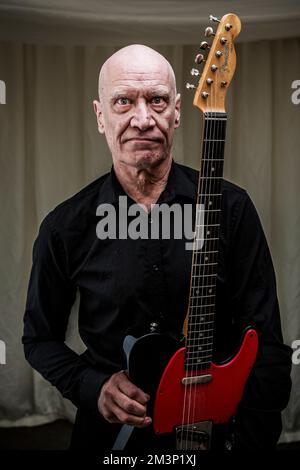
[197, 379]
[196, 436]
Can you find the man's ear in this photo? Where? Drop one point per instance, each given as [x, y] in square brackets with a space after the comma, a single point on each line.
[99, 115]
[177, 110]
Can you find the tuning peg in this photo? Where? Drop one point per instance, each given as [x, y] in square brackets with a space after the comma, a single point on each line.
[195, 72]
[214, 19]
[204, 45]
[209, 32]
[199, 58]
[189, 86]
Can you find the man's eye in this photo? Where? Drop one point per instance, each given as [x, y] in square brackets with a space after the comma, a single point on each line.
[157, 100]
[123, 101]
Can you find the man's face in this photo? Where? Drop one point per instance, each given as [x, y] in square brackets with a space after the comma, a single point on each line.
[138, 111]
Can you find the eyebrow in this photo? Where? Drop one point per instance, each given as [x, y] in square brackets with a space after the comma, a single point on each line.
[151, 91]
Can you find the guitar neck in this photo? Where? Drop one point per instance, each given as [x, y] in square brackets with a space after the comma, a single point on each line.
[201, 310]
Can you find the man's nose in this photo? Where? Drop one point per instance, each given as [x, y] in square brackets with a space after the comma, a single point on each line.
[142, 118]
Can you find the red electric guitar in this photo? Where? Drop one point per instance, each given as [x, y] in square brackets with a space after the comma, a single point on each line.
[190, 392]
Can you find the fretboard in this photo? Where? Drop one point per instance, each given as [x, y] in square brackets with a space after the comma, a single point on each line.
[201, 311]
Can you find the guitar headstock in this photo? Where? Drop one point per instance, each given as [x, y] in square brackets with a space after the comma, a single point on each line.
[219, 65]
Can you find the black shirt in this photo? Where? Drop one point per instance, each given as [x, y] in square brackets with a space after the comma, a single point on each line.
[125, 285]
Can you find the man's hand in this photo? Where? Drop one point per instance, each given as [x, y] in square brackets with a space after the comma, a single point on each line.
[120, 401]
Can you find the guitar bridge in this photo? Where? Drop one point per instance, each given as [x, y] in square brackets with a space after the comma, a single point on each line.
[196, 436]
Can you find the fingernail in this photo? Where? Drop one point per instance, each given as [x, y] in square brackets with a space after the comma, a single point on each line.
[148, 420]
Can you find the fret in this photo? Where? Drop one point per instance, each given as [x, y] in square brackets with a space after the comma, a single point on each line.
[215, 118]
[200, 345]
[210, 159]
[192, 355]
[205, 225]
[202, 296]
[200, 324]
[202, 314]
[211, 177]
[201, 333]
[209, 305]
[204, 264]
[204, 275]
[209, 251]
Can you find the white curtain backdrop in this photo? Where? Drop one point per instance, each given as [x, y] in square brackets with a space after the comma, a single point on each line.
[50, 148]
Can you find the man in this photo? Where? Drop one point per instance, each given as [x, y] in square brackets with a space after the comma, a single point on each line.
[128, 285]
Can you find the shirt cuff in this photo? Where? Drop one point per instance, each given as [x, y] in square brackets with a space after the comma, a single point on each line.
[90, 387]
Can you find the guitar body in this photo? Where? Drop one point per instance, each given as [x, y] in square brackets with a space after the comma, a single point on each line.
[213, 400]
[156, 365]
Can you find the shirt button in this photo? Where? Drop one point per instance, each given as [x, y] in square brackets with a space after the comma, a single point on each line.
[155, 267]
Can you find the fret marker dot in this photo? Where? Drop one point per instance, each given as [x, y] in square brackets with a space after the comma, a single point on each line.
[206, 258]
[212, 169]
[208, 232]
[210, 291]
[210, 203]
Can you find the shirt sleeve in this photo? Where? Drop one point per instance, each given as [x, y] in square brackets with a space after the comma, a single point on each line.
[254, 297]
[50, 297]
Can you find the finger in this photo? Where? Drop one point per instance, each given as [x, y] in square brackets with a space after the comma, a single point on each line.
[131, 407]
[131, 390]
[122, 417]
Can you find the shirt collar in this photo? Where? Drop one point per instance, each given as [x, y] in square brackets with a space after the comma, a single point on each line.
[178, 184]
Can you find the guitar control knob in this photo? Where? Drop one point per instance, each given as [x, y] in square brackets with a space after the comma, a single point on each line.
[214, 19]
[195, 72]
[189, 86]
[209, 32]
[204, 45]
[199, 58]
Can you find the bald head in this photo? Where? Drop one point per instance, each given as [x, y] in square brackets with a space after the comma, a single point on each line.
[135, 58]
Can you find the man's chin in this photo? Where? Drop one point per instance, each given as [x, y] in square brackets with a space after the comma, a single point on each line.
[148, 160]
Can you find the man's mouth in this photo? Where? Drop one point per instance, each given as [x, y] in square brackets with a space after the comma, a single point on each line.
[143, 140]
